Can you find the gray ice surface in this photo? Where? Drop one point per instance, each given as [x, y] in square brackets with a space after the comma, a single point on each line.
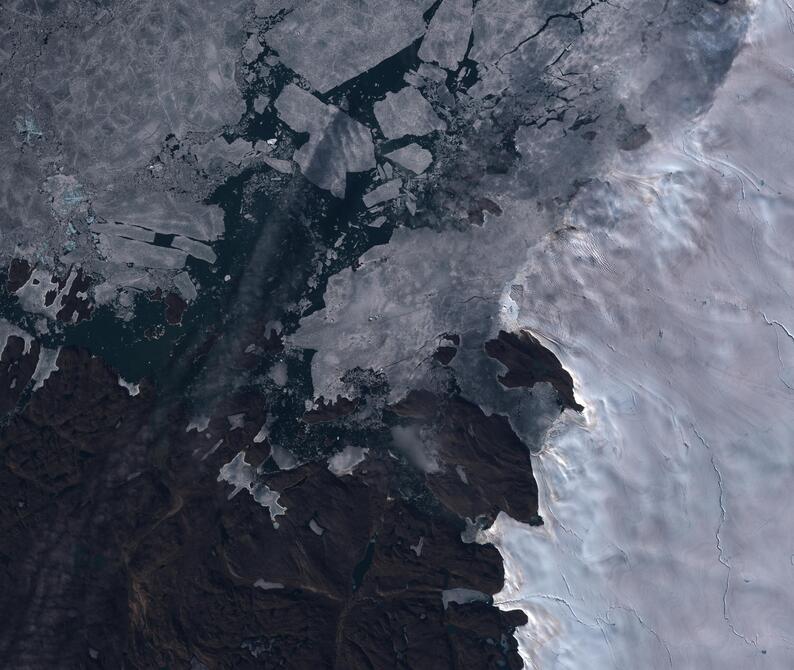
[431, 72]
[462, 596]
[406, 112]
[447, 37]
[32, 295]
[122, 279]
[7, 329]
[416, 447]
[383, 193]
[405, 295]
[186, 287]
[118, 91]
[231, 152]
[45, 366]
[337, 143]
[196, 249]
[141, 254]
[278, 164]
[501, 25]
[284, 458]
[132, 389]
[86, 110]
[266, 586]
[242, 475]
[346, 460]
[198, 423]
[278, 373]
[252, 49]
[412, 157]
[329, 43]
[236, 421]
[260, 103]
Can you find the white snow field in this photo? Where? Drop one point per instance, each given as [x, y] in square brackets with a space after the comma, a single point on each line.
[669, 537]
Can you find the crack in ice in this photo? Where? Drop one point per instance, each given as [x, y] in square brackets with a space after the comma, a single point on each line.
[633, 611]
[720, 548]
[773, 323]
[546, 596]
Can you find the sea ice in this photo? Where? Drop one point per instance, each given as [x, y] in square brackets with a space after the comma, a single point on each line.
[406, 112]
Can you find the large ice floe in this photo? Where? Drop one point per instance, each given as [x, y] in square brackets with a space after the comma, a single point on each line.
[323, 41]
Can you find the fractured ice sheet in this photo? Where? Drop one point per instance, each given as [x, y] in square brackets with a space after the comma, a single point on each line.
[140, 254]
[337, 143]
[501, 25]
[119, 91]
[392, 309]
[123, 230]
[94, 112]
[324, 41]
[447, 36]
[406, 112]
[161, 212]
[412, 157]
[67, 195]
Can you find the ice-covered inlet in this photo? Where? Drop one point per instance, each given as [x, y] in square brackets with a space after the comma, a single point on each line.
[242, 475]
[668, 539]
